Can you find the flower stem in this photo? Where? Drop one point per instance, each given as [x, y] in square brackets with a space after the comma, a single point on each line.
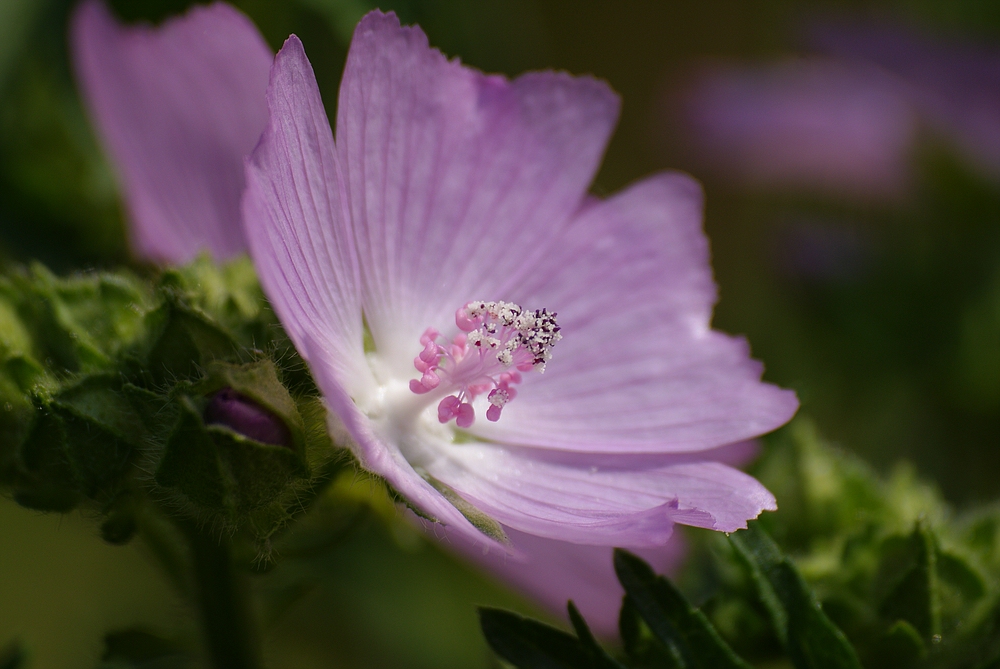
[223, 599]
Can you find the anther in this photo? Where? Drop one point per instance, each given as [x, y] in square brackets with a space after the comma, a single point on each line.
[496, 342]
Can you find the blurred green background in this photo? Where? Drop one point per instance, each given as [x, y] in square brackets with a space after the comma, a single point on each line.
[897, 360]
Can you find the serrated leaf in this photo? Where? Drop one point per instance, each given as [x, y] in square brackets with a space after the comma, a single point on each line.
[529, 644]
[810, 637]
[671, 618]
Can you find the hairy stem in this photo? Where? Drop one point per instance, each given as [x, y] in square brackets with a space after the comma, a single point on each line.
[227, 617]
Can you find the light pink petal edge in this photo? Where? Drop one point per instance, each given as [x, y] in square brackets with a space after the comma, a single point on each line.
[639, 369]
[609, 500]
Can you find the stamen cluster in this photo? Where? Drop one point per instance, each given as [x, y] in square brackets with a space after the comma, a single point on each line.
[497, 341]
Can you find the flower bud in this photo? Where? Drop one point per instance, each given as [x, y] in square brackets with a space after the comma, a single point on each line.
[244, 416]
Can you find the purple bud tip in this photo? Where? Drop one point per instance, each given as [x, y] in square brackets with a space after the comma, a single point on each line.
[241, 414]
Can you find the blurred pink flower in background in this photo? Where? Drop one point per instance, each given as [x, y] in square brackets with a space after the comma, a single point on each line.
[954, 84]
[446, 187]
[177, 108]
[808, 123]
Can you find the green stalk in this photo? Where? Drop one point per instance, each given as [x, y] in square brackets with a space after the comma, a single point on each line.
[227, 618]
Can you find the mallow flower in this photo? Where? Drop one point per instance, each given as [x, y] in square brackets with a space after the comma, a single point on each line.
[177, 107]
[513, 356]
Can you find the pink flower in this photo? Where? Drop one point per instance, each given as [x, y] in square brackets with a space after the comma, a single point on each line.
[845, 129]
[178, 108]
[953, 85]
[449, 215]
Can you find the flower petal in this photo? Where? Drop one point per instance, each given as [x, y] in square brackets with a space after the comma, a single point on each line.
[552, 572]
[609, 500]
[384, 458]
[177, 108]
[297, 231]
[457, 181]
[638, 368]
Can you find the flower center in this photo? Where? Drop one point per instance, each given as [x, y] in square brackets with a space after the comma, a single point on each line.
[497, 341]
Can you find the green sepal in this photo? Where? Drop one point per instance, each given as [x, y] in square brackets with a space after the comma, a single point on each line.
[672, 620]
[809, 636]
[190, 465]
[79, 323]
[182, 341]
[100, 400]
[16, 417]
[228, 294]
[102, 431]
[480, 520]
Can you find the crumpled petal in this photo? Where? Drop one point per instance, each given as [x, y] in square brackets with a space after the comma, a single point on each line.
[457, 181]
[609, 500]
[552, 572]
[296, 225]
[638, 369]
[177, 108]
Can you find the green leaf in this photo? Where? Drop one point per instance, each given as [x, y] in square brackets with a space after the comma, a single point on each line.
[528, 644]
[600, 657]
[47, 482]
[190, 464]
[900, 647]
[810, 638]
[915, 596]
[183, 341]
[671, 618]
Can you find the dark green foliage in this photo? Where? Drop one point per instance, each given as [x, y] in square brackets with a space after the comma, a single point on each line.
[659, 629]
[866, 573]
[528, 644]
[104, 379]
[811, 639]
[672, 620]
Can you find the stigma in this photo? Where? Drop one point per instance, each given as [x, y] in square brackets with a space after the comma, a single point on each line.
[497, 342]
